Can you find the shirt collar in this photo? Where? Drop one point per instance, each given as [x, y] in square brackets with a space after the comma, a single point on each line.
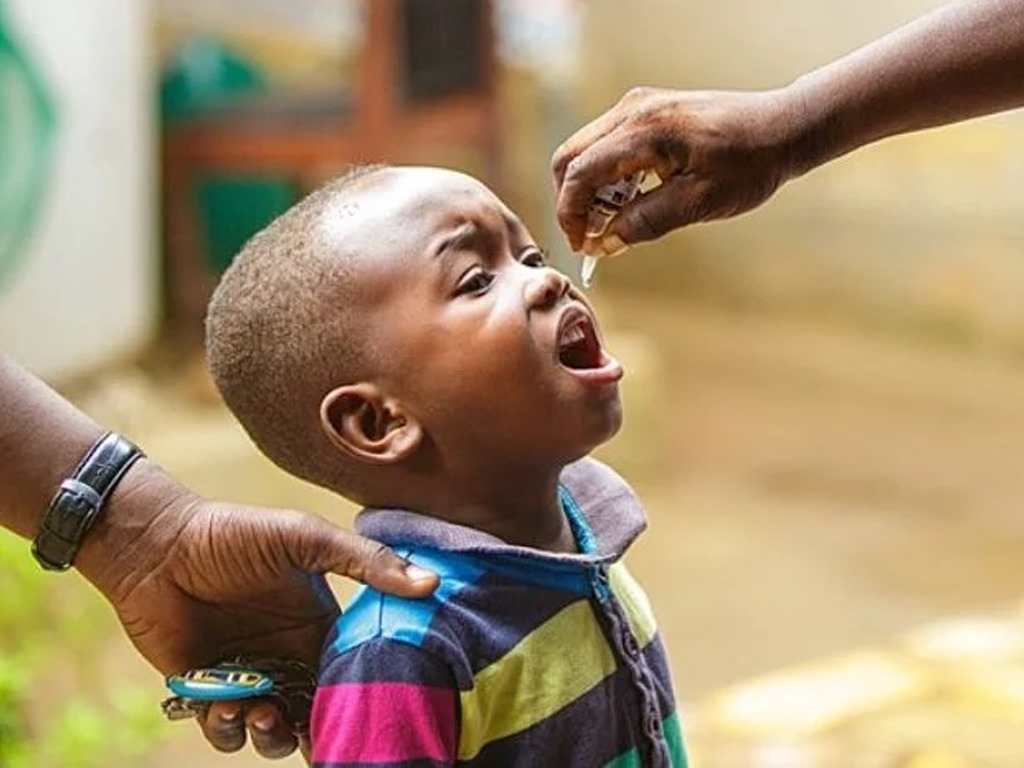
[609, 507]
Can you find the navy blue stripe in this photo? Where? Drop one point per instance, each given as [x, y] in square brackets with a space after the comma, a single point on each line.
[656, 658]
[387, 661]
[486, 619]
[599, 731]
[588, 732]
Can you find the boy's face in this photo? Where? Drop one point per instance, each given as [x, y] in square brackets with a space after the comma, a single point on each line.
[495, 354]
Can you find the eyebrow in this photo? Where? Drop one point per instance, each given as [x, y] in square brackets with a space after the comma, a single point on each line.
[463, 234]
[512, 223]
[471, 232]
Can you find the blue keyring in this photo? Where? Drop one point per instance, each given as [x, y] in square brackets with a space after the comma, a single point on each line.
[220, 684]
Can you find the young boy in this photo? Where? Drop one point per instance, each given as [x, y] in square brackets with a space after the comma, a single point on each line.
[397, 337]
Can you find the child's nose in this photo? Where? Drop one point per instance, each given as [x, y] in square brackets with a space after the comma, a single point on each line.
[546, 288]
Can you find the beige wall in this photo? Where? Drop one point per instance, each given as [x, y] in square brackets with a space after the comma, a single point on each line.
[922, 233]
[85, 292]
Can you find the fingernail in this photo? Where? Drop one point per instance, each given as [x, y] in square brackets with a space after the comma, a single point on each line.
[229, 715]
[613, 245]
[415, 573]
[264, 723]
[597, 222]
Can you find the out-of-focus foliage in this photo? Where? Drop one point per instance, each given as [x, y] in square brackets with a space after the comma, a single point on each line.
[58, 708]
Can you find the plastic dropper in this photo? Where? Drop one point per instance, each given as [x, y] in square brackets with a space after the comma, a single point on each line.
[608, 201]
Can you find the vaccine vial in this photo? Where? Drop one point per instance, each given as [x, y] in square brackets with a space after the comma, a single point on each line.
[608, 201]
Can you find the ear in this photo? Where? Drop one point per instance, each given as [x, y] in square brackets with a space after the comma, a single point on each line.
[359, 420]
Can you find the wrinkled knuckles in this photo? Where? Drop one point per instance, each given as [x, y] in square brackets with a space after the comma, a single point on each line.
[571, 223]
[560, 161]
[574, 170]
[382, 559]
[637, 93]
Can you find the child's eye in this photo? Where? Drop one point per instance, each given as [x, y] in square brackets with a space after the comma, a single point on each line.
[535, 257]
[475, 282]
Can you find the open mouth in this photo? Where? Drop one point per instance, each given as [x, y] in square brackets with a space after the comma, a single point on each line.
[578, 345]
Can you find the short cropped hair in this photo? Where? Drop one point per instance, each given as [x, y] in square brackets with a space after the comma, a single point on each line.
[280, 333]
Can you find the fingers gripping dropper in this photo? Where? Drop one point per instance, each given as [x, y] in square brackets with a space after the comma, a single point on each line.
[608, 201]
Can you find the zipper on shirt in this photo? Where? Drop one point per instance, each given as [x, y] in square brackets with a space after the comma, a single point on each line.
[653, 753]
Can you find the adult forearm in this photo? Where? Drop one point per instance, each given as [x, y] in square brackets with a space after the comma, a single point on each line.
[42, 438]
[960, 61]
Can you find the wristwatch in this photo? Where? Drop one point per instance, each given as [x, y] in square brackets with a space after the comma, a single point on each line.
[80, 498]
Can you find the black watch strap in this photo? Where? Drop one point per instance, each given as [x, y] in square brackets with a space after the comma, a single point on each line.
[79, 500]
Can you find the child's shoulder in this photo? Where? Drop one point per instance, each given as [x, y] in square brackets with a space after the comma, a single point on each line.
[380, 629]
[374, 616]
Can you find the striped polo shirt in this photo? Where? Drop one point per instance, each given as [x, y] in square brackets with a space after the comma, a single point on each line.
[522, 657]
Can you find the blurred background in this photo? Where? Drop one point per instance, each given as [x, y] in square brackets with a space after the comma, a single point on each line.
[825, 398]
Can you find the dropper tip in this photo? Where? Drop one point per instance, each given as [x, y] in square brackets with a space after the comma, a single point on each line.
[588, 269]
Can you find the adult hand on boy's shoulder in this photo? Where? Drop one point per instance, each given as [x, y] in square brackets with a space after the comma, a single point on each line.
[202, 581]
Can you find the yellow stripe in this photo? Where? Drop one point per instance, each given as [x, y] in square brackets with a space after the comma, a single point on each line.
[550, 667]
[634, 600]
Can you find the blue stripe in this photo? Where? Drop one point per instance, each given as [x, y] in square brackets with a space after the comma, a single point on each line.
[567, 577]
[373, 614]
[570, 577]
[585, 538]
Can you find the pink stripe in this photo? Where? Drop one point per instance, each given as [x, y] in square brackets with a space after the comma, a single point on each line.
[382, 723]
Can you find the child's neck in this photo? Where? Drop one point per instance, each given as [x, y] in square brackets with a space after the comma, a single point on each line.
[520, 508]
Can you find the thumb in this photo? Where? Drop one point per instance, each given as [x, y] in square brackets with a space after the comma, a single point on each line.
[318, 546]
[676, 202]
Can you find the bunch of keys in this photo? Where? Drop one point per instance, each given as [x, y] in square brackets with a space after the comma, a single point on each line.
[608, 201]
[289, 684]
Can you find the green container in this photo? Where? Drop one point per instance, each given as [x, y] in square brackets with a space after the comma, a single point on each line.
[203, 76]
[235, 208]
